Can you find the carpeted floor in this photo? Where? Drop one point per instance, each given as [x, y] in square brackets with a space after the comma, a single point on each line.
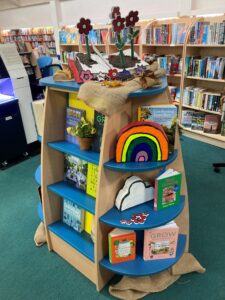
[27, 272]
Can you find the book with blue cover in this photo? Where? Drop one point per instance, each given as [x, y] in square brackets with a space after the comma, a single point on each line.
[73, 215]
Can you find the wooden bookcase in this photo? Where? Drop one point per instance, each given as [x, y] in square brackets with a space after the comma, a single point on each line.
[91, 259]
[178, 80]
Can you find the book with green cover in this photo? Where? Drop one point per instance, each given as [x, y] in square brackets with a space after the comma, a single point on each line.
[167, 189]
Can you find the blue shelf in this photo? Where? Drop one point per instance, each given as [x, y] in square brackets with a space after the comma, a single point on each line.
[40, 212]
[151, 91]
[38, 175]
[155, 218]
[72, 149]
[140, 166]
[69, 85]
[80, 241]
[70, 192]
[39, 138]
[140, 267]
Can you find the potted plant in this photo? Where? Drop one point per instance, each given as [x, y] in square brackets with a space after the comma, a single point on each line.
[85, 132]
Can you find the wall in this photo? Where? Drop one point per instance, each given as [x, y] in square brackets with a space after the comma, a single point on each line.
[98, 11]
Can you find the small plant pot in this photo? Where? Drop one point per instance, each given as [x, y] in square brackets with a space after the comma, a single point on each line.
[85, 143]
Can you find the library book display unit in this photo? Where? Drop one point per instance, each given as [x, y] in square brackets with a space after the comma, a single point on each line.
[91, 259]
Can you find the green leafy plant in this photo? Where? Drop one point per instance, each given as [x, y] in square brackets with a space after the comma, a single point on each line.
[85, 129]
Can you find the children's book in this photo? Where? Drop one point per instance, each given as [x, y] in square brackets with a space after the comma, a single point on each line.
[161, 242]
[186, 118]
[79, 104]
[122, 245]
[73, 116]
[76, 171]
[99, 125]
[198, 119]
[89, 219]
[212, 124]
[165, 115]
[73, 215]
[167, 189]
[92, 180]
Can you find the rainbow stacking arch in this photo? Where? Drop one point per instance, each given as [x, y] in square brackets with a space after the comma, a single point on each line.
[142, 141]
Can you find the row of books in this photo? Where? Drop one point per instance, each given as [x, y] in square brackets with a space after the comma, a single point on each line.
[174, 92]
[204, 122]
[29, 31]
[68, 36]
[205, 67]
[201, 98]
[97, 36]
[125, 34]
[159, 243]
[208, 33]
[165, 34]
[171, 63]
[47, 44]
[28, 38]
[68, 55]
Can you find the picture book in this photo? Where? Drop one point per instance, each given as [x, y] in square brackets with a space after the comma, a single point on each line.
[167, 189]
[186, 118]
[89, 218]
[92, 180]
[99, 125]
[73, 116]
[122, 245]
[198, 119]
[165, 115]
[73, 215]
[161, 242]
[76, 171]
[79, 104]
[212, 124]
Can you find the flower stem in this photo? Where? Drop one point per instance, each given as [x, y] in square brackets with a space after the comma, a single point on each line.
[132, 42]
[87, 47]
[122, 58]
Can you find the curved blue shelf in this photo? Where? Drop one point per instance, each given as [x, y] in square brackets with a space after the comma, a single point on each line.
[72, 149]
[70, 192]
[69, 85]
[80, 241]
[140, 267]
[155, 218]
[140, 166]
[40, 212]
[38, 175]
[151, 91]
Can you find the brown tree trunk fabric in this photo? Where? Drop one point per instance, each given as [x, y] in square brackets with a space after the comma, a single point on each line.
[39, 236]
[133, 288]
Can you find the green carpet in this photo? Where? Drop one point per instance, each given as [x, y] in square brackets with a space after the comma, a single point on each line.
[28, 272]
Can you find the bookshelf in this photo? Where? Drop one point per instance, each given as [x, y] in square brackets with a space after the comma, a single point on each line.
[91, 259]
[202, 45]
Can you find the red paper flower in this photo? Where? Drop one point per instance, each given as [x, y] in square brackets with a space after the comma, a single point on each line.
[118, 24]
[115, 12]
[132, 18]
[84, 26]
[139, 218]
[112, 73]
[86, 75]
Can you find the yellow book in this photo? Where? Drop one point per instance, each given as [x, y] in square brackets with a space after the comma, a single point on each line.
[88, 222]
[92, 180]
[75, 103]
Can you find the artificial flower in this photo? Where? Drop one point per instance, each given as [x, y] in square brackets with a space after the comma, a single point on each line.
[112, 73]
[115, 12]
[118, 24]
[86, 76]
[132, 18]
[84, 26]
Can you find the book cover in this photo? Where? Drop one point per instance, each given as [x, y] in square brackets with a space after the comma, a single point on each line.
[73, 116]
[76, 171]
[122, 245]
[161, 242]
[165, 115]
[99, 120]
[73, 215]
[186, 118]
[212, 124]
[92, 180]
[89, 219]
[197, 121]
[167, 189]
[79, 104]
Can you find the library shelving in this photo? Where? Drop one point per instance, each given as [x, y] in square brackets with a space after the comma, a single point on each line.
[202, 41]
[91, 259]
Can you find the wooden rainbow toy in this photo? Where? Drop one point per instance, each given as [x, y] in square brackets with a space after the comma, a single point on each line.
[142, 141]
